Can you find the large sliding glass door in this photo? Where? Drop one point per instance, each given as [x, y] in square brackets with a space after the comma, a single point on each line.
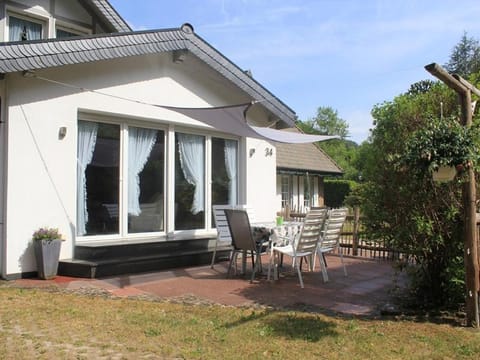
[107, 205]
[122, 177]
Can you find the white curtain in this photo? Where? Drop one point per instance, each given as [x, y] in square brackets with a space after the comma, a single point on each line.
[231, 167]
[20, 29]
[140, 144]
[192, 149]
[87, 137]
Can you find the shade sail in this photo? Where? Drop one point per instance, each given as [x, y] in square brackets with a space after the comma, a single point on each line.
[232, 119]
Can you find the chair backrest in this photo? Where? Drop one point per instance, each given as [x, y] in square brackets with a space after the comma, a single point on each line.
[221, 223]
[249, 210]
[333, 228]
[311, 229]
[240, 230]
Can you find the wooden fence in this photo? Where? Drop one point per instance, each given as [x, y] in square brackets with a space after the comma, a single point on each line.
[354, 242]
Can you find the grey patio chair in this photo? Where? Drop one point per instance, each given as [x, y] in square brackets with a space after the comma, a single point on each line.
[221, 224]
[303, 245]
[330, 238]
[242, 239]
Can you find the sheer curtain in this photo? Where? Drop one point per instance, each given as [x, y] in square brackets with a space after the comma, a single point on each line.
[87, 137]
[140, 144]
[231, 167]
[192, 155]
[20, 29]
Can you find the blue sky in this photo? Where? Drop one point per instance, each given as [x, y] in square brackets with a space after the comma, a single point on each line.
[346, 54]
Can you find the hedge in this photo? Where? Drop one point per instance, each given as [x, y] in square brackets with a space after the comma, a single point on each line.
[336, 191]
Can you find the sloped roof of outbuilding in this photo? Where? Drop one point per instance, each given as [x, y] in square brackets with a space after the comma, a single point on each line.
[305, 158]
[42, 54]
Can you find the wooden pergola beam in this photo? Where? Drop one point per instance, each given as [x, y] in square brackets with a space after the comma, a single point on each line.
[441, 74]
[471, 251]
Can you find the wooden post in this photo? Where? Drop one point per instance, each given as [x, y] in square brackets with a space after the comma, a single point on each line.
[464, 90]
[356, 230]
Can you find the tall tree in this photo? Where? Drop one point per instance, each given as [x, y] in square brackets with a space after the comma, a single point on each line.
[342, 151]
[327, 122]
[465, 57]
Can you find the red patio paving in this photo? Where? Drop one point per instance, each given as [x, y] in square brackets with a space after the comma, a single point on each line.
[363, 292]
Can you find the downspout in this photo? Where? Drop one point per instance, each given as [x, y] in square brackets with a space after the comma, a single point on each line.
[4, 175]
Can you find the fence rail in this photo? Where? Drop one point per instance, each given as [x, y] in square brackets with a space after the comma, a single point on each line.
[354, 242]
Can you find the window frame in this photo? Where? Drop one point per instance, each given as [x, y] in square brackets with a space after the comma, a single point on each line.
[286, 196]
[70, 28]
[169, 131]
[42, 21]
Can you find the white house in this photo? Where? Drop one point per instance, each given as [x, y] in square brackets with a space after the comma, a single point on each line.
[90, 146]
[301, 169]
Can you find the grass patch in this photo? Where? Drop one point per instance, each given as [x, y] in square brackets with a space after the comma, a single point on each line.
[42, 325]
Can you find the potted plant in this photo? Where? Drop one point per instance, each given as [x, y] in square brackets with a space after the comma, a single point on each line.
[442, 148]
[46, 244]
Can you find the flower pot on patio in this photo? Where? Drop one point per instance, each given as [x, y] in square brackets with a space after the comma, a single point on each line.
[46, 245]
[47, 253]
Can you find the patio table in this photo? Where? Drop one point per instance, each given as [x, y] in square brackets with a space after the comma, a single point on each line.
[276, 234]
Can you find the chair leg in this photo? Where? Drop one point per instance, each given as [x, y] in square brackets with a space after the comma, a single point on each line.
[299, 275]
[255, 266]
[275, 266]
[343, 263]
[323, 267]
[233, 258]
[214, 253]
[270, 265]
[259, 253]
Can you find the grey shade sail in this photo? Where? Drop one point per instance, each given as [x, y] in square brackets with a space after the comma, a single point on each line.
[232, 119]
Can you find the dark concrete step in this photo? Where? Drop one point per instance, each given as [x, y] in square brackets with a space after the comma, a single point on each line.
[103, 261]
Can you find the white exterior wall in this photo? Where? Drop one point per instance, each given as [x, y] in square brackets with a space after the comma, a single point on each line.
[41, 182]
[261, 180]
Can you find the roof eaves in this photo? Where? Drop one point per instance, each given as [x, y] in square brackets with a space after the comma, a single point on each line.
[28, 56]
[299, 171]
[107, 13]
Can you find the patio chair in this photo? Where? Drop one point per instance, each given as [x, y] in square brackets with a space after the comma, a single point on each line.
[242, 239]
[221, 224]
[303, 245]
[330, 238]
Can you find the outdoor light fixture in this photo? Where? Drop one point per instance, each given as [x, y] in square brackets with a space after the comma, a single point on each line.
[179, 56]
[62, 132]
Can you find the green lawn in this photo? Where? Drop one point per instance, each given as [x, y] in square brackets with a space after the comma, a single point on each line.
[44, 324]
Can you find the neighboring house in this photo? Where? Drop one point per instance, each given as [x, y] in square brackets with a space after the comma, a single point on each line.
[88, 146]
[301, 169]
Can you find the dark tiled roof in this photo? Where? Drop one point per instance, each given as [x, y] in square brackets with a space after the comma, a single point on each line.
[304, 157]
[107, 13]
[41, 54]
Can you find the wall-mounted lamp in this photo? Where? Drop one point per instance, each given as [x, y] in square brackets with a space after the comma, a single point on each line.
[251, 152]
[179, 56]
[268, 151]
[62, 132]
